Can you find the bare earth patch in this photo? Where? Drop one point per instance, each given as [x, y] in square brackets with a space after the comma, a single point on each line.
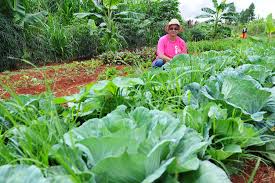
[264, 174]
[64, 79]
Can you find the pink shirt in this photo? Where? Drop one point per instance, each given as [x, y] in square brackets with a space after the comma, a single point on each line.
[171, 48]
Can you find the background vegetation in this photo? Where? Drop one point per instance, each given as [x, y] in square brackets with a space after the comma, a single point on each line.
[46, 31]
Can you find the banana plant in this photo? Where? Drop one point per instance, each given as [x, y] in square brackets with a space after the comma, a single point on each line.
[16, 10]
[103, 18]
[270, 28]
[218, 14]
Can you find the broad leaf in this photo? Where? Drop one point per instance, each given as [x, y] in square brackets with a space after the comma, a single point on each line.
[244, 94]
[124, 169]
[111, 3]
[228, 150]
[207, 173]
[21, 174]
[269, 24]
[98, 149]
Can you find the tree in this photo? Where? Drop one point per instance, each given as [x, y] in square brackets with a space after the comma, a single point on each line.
[220, 13]
[248, 14]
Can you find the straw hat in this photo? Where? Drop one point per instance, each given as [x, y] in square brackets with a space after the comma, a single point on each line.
[173, 21]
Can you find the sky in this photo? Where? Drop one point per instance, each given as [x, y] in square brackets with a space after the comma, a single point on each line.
[192, 8]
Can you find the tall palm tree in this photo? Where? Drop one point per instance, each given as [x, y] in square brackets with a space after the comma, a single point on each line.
[220, 13]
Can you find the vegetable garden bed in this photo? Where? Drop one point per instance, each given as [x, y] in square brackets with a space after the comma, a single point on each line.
[198, 119]
[63, 79]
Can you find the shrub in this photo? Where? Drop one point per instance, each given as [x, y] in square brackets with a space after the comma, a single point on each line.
[83, 43]
[58, 42]
[218, 45]
[128, 57]
[38, 48]
[12, 43]
[223, 32]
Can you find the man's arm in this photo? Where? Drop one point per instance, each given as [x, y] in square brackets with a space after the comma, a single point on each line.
[164, 57]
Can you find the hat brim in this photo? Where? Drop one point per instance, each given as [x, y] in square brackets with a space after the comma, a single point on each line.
[166, 28]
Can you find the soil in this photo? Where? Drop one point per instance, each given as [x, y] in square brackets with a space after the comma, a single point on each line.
[264, 174]
[63, 79]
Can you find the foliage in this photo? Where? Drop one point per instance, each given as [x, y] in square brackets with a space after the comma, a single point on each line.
[198, 32]
[150, 26]
[12, 44]
[16, 10]
[54, 42]
[270, 28]
[217, 45]
[254, 28]
[52, 32]
[200, 112]
[220, 13]
[105, 20]
[128, 57]
[248, 14]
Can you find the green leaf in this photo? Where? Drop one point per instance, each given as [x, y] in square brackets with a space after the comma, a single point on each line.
[270, 106]
[245, 94]
[269, 24]
[229, 127]
[186, 152]
[193, 95]
[207, 173]
[33, 18]
[123, 169]
[114, 121]
[270, 149]
[61, 179]
[69, 157]
[111, 3]
[224, 153]
[187, 160]
[98, 149]
[141, 116]
[258, 72]
[124, 82]
[240, 132]
[158, 172]
[156, 155]
[21, 174]
[196, 119]
[103, 87]
[217, 112]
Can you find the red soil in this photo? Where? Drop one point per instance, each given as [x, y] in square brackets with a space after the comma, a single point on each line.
[63, 81]
[264, 174]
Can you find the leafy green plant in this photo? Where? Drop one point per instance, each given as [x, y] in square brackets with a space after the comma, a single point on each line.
[222, 11]
[57, 36]
[109, 73]
[202, 113]
[128, 57]
[148, 26]
[270, 28]
[105, 20]
[17, 11]
[12, 44]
